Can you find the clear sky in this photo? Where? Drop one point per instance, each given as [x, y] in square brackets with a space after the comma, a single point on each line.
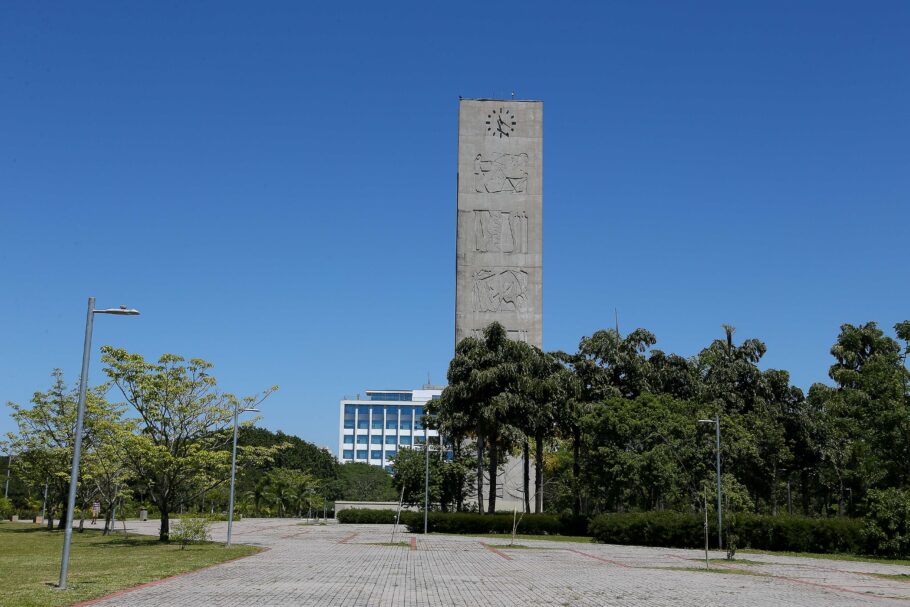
[273, 184]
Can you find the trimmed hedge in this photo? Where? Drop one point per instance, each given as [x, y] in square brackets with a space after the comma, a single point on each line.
[367, 516]
[676, 530]
[469, 522]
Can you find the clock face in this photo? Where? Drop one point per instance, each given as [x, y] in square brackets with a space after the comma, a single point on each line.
[500, 123]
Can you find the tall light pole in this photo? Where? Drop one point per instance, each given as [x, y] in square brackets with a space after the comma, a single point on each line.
[9, 465]
[720, 515]
[237, 412]
[426, 483]
[77, 443]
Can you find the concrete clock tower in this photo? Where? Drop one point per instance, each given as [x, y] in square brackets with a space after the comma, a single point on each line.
[499, 251]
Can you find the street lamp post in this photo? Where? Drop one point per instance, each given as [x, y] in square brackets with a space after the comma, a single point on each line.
[237, 412]
[9, 465]
[77, 443]
[426, 483]
[720, 515]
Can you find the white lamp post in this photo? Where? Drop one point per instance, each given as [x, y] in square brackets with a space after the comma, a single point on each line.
[720, 516]
[237, 412]
[77, 443]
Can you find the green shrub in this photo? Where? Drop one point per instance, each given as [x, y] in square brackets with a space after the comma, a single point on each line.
[190, 530]
[6, 508]
[762, 532]
[469, 522]
[353, 516]
[887, 523]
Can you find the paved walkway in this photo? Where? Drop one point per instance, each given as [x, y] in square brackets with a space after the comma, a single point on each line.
[347, 565]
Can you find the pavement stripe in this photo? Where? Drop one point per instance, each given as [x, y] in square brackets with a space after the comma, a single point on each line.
[347, 538]
[495, 551]
[598, 558]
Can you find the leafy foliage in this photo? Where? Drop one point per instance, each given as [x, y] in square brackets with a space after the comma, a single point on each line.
[182, 423]
[191, 531]
[678, 530]
[366, 516]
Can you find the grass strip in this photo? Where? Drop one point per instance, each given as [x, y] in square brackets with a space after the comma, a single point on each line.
[99, 565]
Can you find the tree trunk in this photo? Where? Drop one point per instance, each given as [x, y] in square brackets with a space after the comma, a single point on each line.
[538, 474]
[480, 474]
[494, 465]
[803, 482]
[63, 513]
[459, 478]
[108, 527]
[164, 533]
[527, 479]
[576, 470]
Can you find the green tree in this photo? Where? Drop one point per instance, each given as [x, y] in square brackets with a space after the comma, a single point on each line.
[44, 440]
[182, 425]
[365, 483]
[408, 473]
[483, 395]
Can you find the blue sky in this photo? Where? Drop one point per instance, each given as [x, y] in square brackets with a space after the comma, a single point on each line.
[273, 184]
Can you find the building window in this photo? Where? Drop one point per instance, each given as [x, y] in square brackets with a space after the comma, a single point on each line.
[405, 440]
[348, 439]
[349, 416]
[391, 418]
[362, 440]
[363, 418]
[406, 413]
[390, 439]
[420, 440]
[376, 439]
[389, 454]
[348, 454]
[418, 419]
[361, 454]
[392, 396]
[376, 421]
[376, 454]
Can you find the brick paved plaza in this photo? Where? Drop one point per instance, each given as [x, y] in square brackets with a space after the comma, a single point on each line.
[347, 565]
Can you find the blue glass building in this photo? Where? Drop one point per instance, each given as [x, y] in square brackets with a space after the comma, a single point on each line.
[373, 429]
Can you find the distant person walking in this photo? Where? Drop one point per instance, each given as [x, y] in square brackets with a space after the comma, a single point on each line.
[96, 510]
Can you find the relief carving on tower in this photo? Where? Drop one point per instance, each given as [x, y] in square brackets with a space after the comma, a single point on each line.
[501, 173]
[500, 290]
[500, 232]
[513, 334]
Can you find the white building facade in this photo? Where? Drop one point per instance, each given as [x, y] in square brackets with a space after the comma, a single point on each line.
[373, 429]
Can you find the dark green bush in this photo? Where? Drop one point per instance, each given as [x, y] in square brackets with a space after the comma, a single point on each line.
[469, 522]
[676, 530]
[367, 516]
[887, 523]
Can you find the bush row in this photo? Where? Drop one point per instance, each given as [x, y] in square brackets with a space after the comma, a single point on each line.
[762, 532]
[667, 529]
[366, 516]
[467, 522]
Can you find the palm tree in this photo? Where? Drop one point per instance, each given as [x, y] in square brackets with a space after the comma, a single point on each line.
[481, 399]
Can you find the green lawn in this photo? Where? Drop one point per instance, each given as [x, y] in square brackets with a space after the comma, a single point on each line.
[837, 556]
[99, 565]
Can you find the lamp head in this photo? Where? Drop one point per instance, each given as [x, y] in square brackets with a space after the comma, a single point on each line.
[121, 311]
